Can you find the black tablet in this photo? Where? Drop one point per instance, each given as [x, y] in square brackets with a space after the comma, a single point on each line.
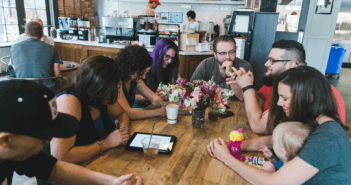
[166, 146]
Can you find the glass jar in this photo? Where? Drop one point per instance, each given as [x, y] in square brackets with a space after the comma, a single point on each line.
[53, 32]
[198, 118]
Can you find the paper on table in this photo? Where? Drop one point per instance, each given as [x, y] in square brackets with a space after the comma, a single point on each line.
[242, 23]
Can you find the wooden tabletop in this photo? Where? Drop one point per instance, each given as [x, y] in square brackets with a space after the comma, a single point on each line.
[63, 67]
[190, 162]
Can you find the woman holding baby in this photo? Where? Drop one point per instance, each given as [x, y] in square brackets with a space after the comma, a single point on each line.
[304, 108]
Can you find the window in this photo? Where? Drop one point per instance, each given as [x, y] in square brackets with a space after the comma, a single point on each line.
[290, 11]
[343, 28]
[36, 8]
[15, 13]
[8, 21]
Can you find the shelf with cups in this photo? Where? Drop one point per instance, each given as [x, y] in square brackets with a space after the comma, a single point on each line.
[190, 2]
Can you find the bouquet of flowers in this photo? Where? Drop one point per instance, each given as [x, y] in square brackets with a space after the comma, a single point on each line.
[198, 94]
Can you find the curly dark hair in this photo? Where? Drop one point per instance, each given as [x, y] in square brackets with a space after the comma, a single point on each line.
[133, 59]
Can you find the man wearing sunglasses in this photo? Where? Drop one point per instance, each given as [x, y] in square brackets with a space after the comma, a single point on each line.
[285, 54]
[220, 65]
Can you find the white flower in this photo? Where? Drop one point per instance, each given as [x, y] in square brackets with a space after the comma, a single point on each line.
[221, 107]
[191, 102]
[196, 94]
[227, 92]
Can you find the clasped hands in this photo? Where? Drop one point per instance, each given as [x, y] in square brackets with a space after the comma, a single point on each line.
[240, 77]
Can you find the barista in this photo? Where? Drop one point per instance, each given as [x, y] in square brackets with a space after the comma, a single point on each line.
[149, 8]
[193, 24]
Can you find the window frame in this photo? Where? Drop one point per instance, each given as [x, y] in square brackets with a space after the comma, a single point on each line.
[51, 7]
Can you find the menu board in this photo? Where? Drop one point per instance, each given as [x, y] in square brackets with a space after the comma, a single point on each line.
[169, 17]
[175, 17]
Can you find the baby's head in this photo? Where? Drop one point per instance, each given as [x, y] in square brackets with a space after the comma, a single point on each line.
[288, 139]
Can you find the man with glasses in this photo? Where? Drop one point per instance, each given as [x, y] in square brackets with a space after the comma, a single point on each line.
[220, 65]
[285, 54]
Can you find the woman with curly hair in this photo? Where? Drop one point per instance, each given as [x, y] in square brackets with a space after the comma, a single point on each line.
[165, 64]
[136, 63]
[92, 99]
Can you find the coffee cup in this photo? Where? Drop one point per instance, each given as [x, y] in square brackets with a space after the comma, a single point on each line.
[172, 113]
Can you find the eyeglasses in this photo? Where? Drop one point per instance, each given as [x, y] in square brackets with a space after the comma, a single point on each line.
[274, 61]
[167, 57]
[231, 52]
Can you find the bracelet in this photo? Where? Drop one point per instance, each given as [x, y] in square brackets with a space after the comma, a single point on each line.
[98, 142]
[247, 87]
[124, 127]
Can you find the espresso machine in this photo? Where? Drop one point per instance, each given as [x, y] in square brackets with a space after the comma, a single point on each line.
[83, 28]
[63, 27]
[210, 32]
[120, 28]
[73, 28]
[226, 22]
[147, 34]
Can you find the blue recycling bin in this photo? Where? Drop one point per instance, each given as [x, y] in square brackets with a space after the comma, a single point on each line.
[335, 60]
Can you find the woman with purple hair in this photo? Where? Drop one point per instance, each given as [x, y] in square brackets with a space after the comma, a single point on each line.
[165, 64]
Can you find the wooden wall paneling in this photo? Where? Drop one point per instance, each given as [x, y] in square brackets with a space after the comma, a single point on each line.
[183, 66]
[71, 52]
[194, 61]
[111, 52]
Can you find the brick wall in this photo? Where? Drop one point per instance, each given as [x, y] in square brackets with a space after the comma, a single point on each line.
[78, 8]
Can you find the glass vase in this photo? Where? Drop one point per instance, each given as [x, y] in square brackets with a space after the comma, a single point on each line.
[213, 113]
[198, 118]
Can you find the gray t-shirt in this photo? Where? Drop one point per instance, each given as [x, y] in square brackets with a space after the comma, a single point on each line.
[329, 150]
[34, 59]
[209, 67]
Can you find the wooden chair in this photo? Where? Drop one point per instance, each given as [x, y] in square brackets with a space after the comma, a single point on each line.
[13, 77]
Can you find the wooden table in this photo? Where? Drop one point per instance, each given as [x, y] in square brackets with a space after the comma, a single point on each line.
[190, 162]
[68, 72]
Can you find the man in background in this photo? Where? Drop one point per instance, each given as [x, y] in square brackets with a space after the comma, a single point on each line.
[220, 65]
[149, 8]
[32, 58]
[45, 38]
[193, 24]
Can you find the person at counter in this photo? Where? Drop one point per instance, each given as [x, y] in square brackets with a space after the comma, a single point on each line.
[220, 65]
[136, 63]
[44, 38]
[193, 24]
[29, 119]
[92, 99]
[165, 64]
[35, 59]
[149, 8]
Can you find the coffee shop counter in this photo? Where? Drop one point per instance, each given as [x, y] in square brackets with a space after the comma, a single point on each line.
[69, 50]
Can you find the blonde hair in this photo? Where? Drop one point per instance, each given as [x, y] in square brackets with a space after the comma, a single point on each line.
[291, 136]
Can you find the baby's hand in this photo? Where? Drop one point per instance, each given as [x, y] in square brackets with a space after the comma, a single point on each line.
[269, 167]
[266, 151]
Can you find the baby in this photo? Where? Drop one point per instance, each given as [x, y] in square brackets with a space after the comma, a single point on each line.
[288, 139]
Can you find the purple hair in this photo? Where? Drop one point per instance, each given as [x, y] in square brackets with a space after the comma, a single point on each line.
[160, 49]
